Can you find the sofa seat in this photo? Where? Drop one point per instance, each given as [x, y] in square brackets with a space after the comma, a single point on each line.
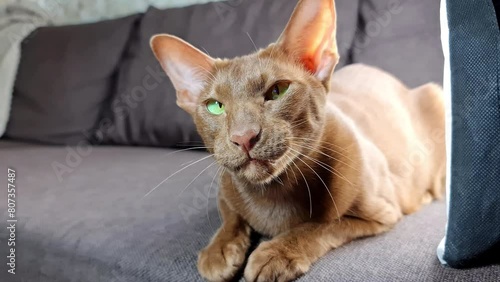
[82, 216]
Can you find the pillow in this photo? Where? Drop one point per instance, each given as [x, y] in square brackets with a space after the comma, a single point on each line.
[401, 37]
[65, 75]
[473, 230]
[144, 111]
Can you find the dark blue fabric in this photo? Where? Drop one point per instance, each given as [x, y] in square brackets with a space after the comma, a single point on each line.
[473, 235]
[496, 3]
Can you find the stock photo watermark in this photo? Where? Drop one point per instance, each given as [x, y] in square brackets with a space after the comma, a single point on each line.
[201, 197]
[226, 11]
[226, 8]
[122, 106]
[11, 220]
[374, 27]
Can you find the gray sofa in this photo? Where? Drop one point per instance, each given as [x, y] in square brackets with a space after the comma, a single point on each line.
[93, 223]
[82, 211]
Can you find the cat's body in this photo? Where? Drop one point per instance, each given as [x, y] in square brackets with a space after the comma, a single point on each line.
[311, 159]
[404, 126]
[377, 170]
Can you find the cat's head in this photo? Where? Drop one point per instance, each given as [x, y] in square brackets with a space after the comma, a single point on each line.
[258, 112]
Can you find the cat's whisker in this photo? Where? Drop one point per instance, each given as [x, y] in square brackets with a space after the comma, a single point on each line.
[286, 172]
[214, 65]
[278, 179]
[207, 77]
[323, 142]
[289, 165]
[191, 142]
[200, 69]
[256, 50]
[328, 168]
[205, 73]
[184, 150]
[196, 177]
[326, 155]
[303, 140]
[204, 49]
[352, 212]
[298, 124]
[326, 187]
[269, 60]
[208, 197]
[322, 164]
[191, 145]
[173, 174]
[308, 190]
[294, 139]
[205, 70]
[325, 166]
[208, 53]
[218, 207]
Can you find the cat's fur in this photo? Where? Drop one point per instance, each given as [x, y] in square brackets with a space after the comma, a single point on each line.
[338, 157]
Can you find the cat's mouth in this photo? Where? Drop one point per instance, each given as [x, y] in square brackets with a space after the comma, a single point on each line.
[260, 171]
[261, 165]
[255, 162]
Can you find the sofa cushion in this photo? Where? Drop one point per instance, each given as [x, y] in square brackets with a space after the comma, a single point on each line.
[401, 37]
[151, 117]
[91, 222]
[473, 230]
[65, 75]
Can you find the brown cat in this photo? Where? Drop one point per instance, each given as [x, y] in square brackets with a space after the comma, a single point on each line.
[312, 159]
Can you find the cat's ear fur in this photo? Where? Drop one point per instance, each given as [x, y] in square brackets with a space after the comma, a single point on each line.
[187, 67]
[310, 37]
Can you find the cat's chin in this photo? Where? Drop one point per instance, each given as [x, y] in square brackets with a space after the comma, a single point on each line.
[260, 172]
[256, 171]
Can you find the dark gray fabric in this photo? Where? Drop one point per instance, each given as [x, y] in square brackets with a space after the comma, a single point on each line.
[64, 76]
[473, 234]
[496, 4]
[152, 117]
[94, 225]
[401, 37]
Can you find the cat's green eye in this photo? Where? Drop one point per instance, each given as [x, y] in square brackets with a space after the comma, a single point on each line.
[277, 90]
[215, 107]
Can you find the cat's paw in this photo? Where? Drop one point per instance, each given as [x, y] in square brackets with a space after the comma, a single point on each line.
[220, 261]
[272, 261]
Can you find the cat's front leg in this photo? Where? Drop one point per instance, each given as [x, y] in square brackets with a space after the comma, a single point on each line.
[289, 255]
[225, 254]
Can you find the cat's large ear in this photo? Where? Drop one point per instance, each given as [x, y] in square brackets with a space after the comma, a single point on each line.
[187, 67]
[310, 37]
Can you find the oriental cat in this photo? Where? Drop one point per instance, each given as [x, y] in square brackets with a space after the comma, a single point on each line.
[313, 159]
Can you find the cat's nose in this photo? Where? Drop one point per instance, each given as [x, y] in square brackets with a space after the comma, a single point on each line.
[246, 139]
